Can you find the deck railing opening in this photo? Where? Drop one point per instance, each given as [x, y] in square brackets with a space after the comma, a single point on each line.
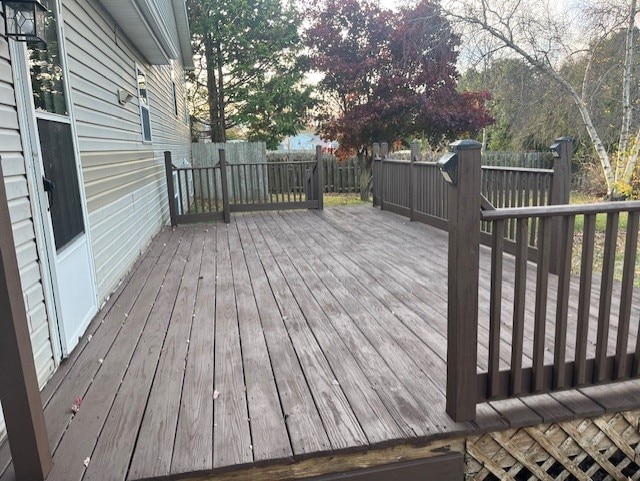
[200, 194]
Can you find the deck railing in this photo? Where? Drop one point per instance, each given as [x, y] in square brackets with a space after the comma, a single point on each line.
[416, 189]
[202, 194]
[554, 358]
[557, 370]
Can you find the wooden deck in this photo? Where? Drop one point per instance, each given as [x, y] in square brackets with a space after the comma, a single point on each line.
[262, 349]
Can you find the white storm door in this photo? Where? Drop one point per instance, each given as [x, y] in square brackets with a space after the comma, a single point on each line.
[56, 175]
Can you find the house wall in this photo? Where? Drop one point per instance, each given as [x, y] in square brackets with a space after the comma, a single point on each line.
[15, 179]
[124, 178]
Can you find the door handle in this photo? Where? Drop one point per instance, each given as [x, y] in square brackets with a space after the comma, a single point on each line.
[49, 186]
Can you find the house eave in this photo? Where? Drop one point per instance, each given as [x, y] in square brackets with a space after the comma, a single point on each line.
[184, 34]
[142, 22]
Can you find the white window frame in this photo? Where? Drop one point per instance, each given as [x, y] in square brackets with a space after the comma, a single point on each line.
[140, 71]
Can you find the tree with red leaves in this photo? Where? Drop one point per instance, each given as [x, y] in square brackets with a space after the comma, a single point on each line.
[388, 75]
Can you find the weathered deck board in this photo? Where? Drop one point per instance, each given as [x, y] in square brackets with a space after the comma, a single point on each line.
[231, 432]
[193, 447]
[306, 431]
[83, 433]
[420, 384]
[386, 361]
[337, 415]
[325, 335]
[349, 361]
[268, 430]
[153, 456]
[112, 453]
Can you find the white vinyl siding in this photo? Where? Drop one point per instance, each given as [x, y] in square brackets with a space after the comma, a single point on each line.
[15, 179]
[124, 178]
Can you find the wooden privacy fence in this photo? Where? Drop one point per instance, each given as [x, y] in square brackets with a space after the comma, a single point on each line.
[210, 193]
[569, 319]
[416, 189]
[340, 176]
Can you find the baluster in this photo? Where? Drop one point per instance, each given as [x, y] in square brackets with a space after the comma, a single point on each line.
[584, 300]
[540, 314]
[495, 307]
[562, 307]
[626, 296]
[519, 298]
[606, 288]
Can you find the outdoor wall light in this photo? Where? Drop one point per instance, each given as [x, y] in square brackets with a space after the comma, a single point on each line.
[555, 150]
[448, 165]
[25, 20]
[124, 96]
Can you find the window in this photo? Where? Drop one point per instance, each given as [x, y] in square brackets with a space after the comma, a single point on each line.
[143, 100]
[174, 92]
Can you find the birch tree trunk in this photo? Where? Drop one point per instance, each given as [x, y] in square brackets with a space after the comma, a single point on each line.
[627, 111]
[507, 37]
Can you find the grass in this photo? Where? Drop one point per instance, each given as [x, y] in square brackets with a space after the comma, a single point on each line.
[340, 200]
[330, 200]
[598, 255]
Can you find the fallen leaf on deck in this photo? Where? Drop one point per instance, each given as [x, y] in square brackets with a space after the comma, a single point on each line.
[75, 407]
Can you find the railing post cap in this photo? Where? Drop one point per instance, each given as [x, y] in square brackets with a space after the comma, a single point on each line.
[466, 144]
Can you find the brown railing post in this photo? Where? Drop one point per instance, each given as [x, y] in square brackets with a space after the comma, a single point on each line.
[377, 172]
[560, 190]
[19, 393]
[319, 177]
[415, 155]
[226, 212]
[384, 152]
[463, 268]
[168, 169]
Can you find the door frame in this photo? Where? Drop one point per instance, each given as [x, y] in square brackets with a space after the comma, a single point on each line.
[27, 119]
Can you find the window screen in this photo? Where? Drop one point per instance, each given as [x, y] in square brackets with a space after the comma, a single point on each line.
[60, 168]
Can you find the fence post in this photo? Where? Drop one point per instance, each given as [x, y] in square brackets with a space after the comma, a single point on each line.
[19, 391]
[225, 187]
[384, 152]
[560, 190]
[377, 172]
[168, 169]
[415, 154]
[319, 177]
[463, 270]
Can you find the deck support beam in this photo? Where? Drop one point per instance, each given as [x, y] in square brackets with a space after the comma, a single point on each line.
[463, 267]
[19, 391]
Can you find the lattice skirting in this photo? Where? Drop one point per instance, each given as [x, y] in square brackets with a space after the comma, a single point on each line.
[600, 449]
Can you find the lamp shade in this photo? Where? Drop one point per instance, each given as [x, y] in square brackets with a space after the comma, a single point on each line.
[25, 20]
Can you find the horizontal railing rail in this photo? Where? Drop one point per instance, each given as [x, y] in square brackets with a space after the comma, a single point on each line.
[589, 357]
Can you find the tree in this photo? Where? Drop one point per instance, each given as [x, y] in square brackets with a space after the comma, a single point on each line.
[250, 70]
[387, 75]
[549, 40]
